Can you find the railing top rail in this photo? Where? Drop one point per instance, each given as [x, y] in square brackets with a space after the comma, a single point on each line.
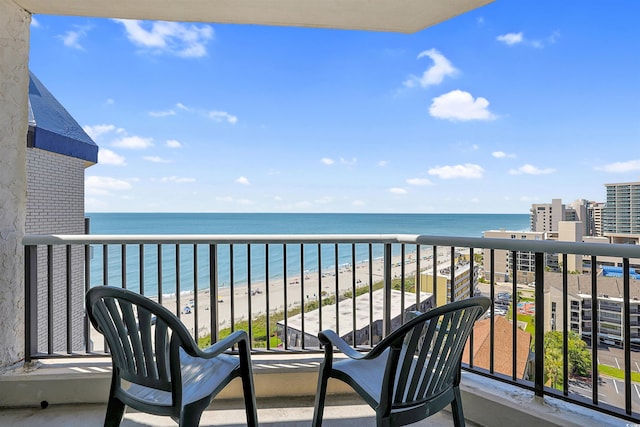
[544, 246]
[90, 239]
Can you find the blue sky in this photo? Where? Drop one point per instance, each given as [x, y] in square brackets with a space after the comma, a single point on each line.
[515, 103]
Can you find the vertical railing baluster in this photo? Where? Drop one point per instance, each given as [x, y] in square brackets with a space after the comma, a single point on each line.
[213, 293]
[594, 331]
[87, 285]
[337, 287]
[402, 282]
[159, 265]
[50, 299]
[514, 316]
[452, 275]
[105, 265]
[178, 291]
[386, 302]
[539, 323]
[626, 323]
[123, 266]
[492, 296]
[565, 328]
[370, 280]
[232, 286]
[302, 294]
[266, 292]
[249, 298]
[434, 276]
[353, 292]
[30, 301]
[69, 305]
[285, 334]
[319, 287]
[417, 278]
[141, 268]
[195, 292]
[471, 290]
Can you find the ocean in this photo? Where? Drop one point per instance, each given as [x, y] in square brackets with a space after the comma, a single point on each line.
[462, 225]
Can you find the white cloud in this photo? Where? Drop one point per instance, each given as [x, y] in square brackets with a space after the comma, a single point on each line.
[108, 157]
[398, 190]
[467, 171]
[103, 185]
[156, 159]
[34, 22]
[173, 143]
[510, 38]
[383, 163]
[176, 179]
[184, 40]
[133, 142]
[109, 101]
[458, 105]
[222, 116]
[243, 180]
[502, 155]
[181, 106]
[162, 113]
[531, 170]
[97, 131]
[229, 199]
[620, 167]
[72, 38]
[327, 161]
[435, 74]
[324, 200]
[419, 181]
[351, 162]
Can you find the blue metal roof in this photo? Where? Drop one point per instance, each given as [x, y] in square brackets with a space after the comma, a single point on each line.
[52, 127]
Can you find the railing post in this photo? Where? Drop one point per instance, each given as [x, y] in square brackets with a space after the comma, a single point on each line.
[386, 314]
[539, 322]
[30, 301]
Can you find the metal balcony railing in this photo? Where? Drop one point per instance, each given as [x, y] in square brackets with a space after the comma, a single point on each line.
[283, 289]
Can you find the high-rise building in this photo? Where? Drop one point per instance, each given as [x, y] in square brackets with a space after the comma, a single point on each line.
[595, 214]
[621, 222]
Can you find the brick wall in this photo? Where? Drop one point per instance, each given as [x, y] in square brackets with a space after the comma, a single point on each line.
[55, 205]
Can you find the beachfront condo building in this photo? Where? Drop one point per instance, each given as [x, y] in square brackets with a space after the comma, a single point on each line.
[609, 300]
[504, 263]
[58, 152]
[622, 213]
[442, 283]
[546, 217]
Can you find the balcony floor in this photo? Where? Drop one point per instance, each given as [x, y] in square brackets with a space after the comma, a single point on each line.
[340, 411]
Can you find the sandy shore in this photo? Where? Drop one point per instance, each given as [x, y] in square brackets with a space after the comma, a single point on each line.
[297, 288]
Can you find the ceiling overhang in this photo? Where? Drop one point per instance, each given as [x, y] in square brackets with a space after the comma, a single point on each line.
[404, 16]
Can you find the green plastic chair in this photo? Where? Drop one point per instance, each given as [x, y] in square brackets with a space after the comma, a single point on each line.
[412, 373]
[157, 366]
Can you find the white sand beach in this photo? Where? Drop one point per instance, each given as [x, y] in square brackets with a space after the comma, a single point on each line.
[294, 288]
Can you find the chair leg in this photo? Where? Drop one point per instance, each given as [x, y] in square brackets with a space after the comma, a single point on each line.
[248, 390]
[456, 408]
[321, 394]
[191, 414]
[249, 398]
[115, 412]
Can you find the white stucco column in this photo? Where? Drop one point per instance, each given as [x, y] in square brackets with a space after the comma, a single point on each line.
[14, 85]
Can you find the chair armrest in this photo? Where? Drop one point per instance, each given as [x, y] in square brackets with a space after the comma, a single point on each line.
[237, 337]
[329, 337]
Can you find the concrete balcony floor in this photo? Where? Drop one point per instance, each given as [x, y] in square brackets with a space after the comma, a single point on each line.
[341, 411]
[76, 391]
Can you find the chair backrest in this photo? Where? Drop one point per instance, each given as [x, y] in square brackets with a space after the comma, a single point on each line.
[426, 352]
[144, 338]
